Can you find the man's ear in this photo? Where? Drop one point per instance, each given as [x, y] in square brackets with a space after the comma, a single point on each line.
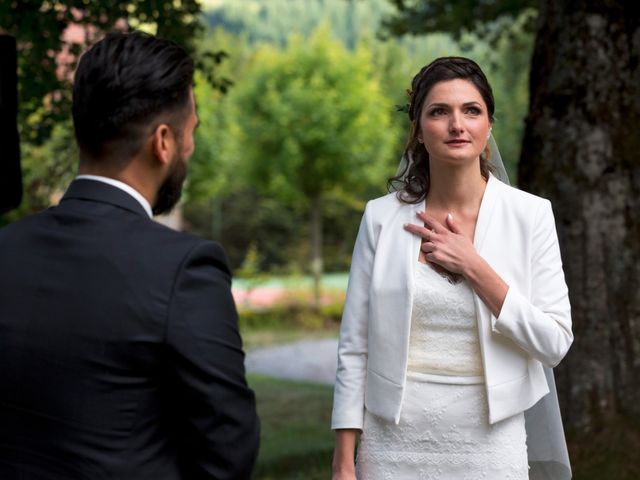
[163, 143]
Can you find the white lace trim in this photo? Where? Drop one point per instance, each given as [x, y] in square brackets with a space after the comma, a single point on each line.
[444, 333]
[443, 434]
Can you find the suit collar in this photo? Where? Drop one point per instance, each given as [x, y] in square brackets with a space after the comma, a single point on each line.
[83, 189]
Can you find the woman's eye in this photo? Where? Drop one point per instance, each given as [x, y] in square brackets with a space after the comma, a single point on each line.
[474, 111]
[436, 112]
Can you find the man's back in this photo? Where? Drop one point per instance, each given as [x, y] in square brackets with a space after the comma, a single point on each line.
[119, 348]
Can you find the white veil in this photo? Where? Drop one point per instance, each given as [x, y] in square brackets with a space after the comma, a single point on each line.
[496, 161]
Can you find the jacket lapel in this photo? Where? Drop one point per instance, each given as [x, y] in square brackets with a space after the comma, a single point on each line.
[486, 212]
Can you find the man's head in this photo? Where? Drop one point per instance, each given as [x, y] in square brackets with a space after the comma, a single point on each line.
[134, 112]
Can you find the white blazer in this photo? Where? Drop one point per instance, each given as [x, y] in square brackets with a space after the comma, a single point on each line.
[515, 233]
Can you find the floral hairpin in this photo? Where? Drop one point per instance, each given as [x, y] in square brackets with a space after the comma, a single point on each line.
[405, 108]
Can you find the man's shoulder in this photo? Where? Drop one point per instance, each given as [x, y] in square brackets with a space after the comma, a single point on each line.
[23, 225]
[179, 239]
[181, 245]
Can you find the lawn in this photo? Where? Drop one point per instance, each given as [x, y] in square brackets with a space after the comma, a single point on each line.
[297, 441]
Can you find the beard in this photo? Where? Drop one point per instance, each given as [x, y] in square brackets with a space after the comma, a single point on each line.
[171, 189]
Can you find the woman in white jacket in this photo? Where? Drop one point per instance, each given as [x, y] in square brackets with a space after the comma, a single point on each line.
[456, 310]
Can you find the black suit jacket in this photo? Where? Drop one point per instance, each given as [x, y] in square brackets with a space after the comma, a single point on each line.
[120, 356]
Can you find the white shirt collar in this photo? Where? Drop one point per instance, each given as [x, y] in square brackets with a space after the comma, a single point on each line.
[122, 186]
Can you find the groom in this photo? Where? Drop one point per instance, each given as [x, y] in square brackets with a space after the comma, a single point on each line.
[120, 356]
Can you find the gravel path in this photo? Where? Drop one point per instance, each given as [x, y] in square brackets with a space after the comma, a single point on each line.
[308, 360]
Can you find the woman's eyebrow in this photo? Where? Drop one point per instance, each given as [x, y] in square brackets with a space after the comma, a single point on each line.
[441, 104]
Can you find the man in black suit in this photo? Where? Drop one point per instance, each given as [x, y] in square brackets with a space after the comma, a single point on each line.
[120, 356]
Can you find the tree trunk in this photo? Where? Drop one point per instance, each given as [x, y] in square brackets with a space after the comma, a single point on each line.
[316, 247]
[581, 149]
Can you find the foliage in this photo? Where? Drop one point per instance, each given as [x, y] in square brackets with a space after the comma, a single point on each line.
[213, 167]
[313, 122]
[242, 217]
[274, 21]
[250, 270]
[47, 168]
[294, 312]
[489, 19]
[38, 26]
[224, 203]
[508, 72]
[221, 200]
[47, 56]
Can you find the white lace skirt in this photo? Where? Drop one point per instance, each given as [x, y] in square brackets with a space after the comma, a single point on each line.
[444, 434]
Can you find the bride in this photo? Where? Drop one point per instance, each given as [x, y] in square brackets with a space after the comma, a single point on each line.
[456, 310]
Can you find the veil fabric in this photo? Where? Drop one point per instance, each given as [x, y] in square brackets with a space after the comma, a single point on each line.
[496, 161]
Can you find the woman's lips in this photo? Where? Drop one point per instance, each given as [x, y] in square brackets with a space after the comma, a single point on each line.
[457, 142]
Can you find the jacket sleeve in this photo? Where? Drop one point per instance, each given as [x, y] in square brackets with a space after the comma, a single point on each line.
[348, 398]
[540, 325]
[218, 426]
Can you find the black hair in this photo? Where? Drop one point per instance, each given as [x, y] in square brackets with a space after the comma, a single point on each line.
[412, 183]
[122, 85]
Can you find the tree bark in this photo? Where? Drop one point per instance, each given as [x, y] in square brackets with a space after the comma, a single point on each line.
[316, 248]
[581, 149]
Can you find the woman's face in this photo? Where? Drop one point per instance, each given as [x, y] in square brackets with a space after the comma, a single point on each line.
[454, 122]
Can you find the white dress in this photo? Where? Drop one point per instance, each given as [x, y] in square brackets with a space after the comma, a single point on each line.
[444, 431]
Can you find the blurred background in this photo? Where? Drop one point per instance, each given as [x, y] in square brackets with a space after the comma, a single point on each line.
[299, 103]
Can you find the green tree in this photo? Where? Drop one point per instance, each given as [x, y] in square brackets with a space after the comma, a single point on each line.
[313, 121]
[38, 27]
[489, 19]
[273, 21]
[47, 56]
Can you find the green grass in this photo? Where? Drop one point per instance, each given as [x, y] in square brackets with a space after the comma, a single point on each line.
[296, 441]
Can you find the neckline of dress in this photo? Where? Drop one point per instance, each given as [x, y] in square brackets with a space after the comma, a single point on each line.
[443, 277]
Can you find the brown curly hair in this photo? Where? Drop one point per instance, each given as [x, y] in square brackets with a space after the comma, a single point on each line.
[412, 183]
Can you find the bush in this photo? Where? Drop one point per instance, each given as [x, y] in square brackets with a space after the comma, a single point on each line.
[295, 310]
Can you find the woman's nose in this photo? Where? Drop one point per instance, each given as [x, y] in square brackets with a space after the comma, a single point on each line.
[455, 123]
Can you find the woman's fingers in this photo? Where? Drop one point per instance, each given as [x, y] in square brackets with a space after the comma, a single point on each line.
[428, 247]
[423, 232]
[431, 223]
[453, 225]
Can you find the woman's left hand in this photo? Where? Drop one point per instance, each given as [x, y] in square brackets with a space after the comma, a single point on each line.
[444, 245]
